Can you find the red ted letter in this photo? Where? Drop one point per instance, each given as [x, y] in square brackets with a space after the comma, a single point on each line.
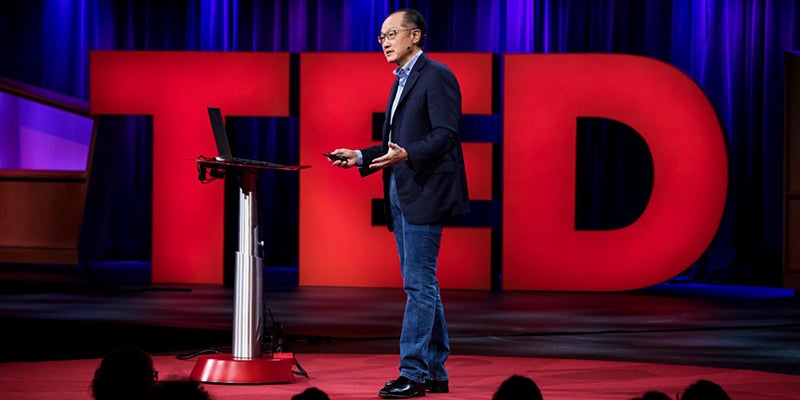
[339, 246]
[176, 88]
[544, 96]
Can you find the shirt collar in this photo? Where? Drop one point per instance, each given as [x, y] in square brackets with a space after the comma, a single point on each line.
[406, 69]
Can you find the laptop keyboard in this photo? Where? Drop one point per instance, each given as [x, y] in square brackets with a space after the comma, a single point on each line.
[255, 162]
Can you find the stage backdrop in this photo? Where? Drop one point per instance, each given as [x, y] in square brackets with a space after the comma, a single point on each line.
[732, 49]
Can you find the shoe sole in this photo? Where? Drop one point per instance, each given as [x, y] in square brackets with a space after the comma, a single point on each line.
[400, 396]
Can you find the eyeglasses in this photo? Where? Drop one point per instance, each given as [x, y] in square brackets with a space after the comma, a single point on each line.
[392, 34]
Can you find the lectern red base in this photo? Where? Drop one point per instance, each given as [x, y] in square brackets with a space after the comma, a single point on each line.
[222, 368]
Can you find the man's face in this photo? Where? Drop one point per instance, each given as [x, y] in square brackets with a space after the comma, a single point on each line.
[400, 49]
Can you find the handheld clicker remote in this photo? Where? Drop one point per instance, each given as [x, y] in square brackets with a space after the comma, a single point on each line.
[335, 157]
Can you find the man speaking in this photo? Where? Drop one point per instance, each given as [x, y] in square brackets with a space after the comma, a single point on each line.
[424, 183]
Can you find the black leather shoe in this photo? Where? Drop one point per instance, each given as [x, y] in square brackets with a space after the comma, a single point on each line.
[402, 388]
[438, 386]
[431, 386]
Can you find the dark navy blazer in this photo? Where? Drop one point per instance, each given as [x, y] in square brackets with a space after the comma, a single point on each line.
[432, 183]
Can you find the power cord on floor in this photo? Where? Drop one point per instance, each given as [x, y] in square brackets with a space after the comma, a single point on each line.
[276, 342]
[193, 354]
[272, 341]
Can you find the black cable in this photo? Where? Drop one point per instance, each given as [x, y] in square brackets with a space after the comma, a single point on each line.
[278, 342]
[193, 354]
[206, 171]
[300, 371]
[273, 346]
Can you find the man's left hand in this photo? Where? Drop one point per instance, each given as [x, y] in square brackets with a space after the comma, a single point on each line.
[396, 154]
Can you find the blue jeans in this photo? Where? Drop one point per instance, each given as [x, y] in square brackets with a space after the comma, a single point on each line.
[424, 345]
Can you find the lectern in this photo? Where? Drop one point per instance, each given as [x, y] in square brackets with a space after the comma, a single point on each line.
[245, 364]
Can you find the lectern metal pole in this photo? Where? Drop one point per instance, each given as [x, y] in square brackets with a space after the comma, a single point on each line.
[245, 363]
[247, 312]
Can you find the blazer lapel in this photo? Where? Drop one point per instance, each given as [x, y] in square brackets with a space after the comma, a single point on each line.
[391, 97]
[412, 79]
[410, 82]
[385, 133]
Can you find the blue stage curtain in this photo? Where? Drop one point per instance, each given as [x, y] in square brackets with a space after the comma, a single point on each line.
[732, 49]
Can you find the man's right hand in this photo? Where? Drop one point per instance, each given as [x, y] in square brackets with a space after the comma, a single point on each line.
[350, 155]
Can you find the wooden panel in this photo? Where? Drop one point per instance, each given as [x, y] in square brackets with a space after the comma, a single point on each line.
[40, 216]
[792, 221]
[41, 211]
[791, 202]
[38, 255]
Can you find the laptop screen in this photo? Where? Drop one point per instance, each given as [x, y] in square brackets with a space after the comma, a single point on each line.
[218, 126]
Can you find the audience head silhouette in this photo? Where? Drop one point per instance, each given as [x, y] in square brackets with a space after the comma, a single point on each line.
[311, 394]
[182, 389]
[124, 374]
[653, 395]
[704, 390]
[518, 387]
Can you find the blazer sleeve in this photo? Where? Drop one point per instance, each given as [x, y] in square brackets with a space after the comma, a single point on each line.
[443, 100]
[368, 154]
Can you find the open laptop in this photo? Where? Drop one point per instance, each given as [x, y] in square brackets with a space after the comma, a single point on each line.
[223, 146]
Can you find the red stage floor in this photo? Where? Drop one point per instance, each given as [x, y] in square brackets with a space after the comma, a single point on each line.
[575, 345]
[358, 376]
